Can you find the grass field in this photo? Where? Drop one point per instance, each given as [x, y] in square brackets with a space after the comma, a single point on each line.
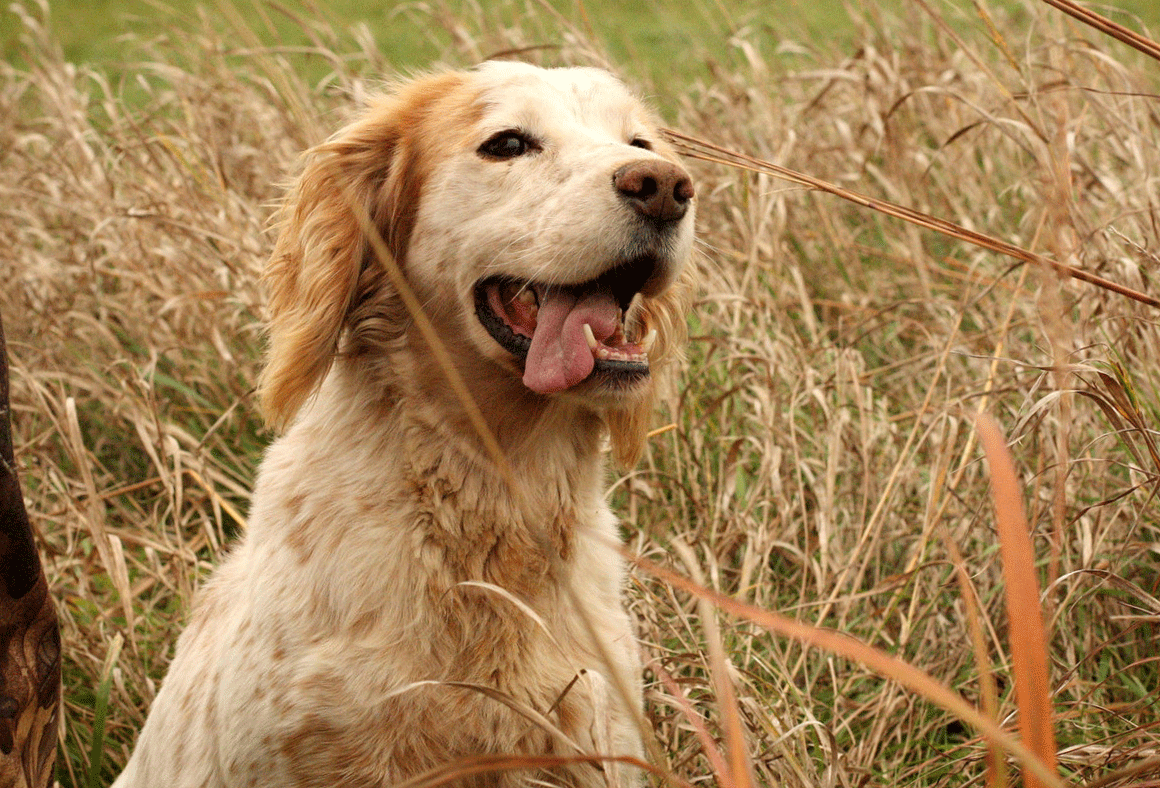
[821, 458]
[655, 36]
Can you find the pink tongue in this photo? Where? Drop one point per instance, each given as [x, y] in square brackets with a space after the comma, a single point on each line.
[559, 357]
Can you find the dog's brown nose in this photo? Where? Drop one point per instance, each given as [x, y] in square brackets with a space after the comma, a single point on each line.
[657, 189]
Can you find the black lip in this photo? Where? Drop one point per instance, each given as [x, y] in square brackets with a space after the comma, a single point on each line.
[516, 344]
[623, 373]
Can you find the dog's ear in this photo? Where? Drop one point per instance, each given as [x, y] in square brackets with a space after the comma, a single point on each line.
[629, 427]
[366, 177]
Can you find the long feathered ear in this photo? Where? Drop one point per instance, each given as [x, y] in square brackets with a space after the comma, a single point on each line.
[367, 171]
[629, 427]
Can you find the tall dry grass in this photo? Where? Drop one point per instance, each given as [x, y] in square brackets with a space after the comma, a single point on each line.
[822, 468]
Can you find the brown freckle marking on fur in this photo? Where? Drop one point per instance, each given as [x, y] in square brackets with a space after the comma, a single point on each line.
[187, 704]
[282, 705]
[365, 624]
[211, 702]
[178, 759]
[334, 541]
[294, 505]
[319, 756]
[298, 542]
[322, 685]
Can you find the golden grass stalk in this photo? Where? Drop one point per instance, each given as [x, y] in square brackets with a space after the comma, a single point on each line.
[1117, 31]
[711, 152]
[1142, 767]
[733, 770]
[1025, 621]
[427, 330]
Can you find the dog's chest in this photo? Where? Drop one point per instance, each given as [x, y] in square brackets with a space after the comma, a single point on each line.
[470, 527]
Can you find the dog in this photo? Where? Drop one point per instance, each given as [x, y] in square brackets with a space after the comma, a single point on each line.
[472, 290]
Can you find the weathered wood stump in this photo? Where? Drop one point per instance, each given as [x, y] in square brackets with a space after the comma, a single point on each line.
[29, 636]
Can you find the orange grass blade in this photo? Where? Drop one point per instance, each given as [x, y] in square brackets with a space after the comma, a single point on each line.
[882, 663]
[708, 747]
[996, 764]
[737, 771]
[696, 148]
[1028, 640]
[733, 732]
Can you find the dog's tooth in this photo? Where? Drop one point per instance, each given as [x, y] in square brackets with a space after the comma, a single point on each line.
[649, 339]
[526, 296]
[592, 343]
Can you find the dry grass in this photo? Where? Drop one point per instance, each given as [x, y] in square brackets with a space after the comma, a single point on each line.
[824, 463]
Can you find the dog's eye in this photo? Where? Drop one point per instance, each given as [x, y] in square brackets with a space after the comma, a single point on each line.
[508, 145]
[640, 142]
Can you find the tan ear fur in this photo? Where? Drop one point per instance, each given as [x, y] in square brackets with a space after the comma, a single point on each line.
[372, 167]
[629, 427]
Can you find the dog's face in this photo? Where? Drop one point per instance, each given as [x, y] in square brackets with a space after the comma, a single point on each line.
[538, 216]
[554, 213]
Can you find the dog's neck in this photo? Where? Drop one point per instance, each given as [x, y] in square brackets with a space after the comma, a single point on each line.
[513, 518]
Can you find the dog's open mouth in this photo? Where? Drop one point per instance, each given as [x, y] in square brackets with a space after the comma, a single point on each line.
[565, 334]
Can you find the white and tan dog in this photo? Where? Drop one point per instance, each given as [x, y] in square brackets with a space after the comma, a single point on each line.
[404, 597]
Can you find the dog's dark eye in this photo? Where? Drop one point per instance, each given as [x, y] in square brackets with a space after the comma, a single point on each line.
[640, 142]
[508, 145]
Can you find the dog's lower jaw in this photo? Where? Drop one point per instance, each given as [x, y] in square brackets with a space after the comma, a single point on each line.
[486, 405]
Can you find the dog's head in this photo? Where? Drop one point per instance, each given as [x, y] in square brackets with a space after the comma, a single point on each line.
[537, 216]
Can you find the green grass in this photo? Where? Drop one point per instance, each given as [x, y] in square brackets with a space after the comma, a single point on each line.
[656, 37]
[652, 32]
[656, 31]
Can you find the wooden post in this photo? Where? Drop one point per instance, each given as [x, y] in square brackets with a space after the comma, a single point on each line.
[29, 636]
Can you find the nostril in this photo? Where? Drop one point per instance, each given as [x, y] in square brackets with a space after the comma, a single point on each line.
[648, 187]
